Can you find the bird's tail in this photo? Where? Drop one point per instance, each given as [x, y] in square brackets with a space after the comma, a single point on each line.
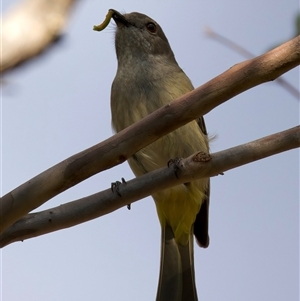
[177, 275]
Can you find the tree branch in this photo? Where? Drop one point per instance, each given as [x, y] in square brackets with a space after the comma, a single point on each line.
[198, 165]
[31, 27]
[247, 54]
[123, 145]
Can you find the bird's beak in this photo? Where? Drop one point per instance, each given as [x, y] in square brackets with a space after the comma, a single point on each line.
[119, 18]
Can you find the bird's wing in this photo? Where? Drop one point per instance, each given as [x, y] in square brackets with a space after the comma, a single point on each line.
[201, 222]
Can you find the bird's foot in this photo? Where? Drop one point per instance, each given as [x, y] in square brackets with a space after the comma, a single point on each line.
[175, 162]
[115, 188]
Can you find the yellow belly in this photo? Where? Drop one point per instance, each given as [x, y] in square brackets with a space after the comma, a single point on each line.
[178, 208]
[179, 205]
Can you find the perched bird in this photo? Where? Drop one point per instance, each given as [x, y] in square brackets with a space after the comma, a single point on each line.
[148, 77]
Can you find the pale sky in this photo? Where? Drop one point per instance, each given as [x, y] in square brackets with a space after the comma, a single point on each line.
[58, 105]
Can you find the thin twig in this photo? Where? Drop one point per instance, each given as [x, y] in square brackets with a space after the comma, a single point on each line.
[247, 54]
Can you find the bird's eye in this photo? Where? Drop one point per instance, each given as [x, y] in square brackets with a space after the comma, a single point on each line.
[151, 27]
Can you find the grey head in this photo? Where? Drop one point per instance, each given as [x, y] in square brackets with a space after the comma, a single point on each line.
[139, 36]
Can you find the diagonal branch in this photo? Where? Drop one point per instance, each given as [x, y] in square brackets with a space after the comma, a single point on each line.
[121, 146]
[29, 28]
[247, 54]
[93, 206]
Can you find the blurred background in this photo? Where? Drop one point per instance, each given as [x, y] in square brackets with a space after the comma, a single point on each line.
[58, 104]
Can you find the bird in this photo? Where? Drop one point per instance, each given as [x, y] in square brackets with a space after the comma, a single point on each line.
[148, 77]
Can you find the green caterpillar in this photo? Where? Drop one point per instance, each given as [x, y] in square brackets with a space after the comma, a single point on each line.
[104, 24]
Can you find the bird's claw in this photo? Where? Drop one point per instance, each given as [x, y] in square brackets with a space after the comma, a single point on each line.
[115, 187]
[175, 162]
